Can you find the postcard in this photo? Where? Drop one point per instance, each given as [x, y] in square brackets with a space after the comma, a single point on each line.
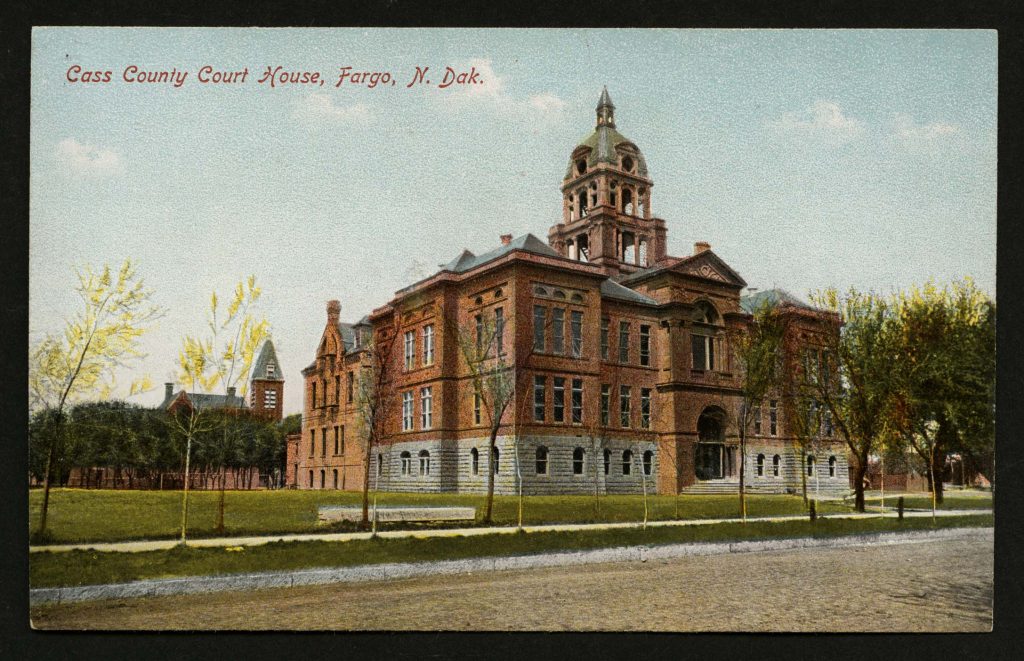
[512, 329]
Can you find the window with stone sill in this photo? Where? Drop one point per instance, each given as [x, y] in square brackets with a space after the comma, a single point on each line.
[577, 461]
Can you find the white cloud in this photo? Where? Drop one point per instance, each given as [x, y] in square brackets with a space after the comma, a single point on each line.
[318, 107]
[87, 160]
[492, 92]
[547, 103]
[905, 127]
[823, 119]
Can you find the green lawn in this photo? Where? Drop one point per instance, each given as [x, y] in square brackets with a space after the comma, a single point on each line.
[48, 569]
[94, 515]
[952, 500]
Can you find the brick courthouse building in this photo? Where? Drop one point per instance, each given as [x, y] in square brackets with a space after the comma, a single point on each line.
[624, 371]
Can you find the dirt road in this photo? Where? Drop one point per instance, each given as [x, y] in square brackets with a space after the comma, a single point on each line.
[927, 586]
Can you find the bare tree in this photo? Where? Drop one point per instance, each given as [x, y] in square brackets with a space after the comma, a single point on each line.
[374, 402]
[758, 349]
[493, 371]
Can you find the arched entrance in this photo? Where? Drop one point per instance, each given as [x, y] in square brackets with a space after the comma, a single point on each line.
[711, 457]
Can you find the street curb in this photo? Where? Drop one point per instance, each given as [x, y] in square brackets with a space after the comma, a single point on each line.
[364, 573]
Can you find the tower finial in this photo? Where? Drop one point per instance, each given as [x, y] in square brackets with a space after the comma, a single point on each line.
[605, 109]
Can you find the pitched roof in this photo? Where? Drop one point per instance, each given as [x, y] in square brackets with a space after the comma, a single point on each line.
[612, 289]
[467, 261]
[267, 357]
[203, 401]
[772, 297]
[673, 263]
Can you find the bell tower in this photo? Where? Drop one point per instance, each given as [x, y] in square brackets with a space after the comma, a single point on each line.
[606, 202]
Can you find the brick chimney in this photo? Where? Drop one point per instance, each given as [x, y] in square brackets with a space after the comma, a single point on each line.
[506, 239]
[700, 247]
[333, 311]
[168, 390]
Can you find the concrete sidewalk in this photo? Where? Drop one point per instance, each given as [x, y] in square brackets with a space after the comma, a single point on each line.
[221, 542]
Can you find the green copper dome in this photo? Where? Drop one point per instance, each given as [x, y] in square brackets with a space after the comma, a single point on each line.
[603, 141]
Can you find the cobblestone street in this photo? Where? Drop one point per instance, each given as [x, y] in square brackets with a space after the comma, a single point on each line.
[923, 586]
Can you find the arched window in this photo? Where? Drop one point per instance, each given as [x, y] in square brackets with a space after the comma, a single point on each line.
[705, 346]
[581, 166]
[832, 466]
[760, 465]
[335, 478]
[776, 464]
[810, 466]
[542, 460]
[627, 462]
[627, 164]
[607, 460]
[474, 456]
[495, 458]
[406, 463]
[424, 462]
[648, 461]
[323, 479]
[577, 461]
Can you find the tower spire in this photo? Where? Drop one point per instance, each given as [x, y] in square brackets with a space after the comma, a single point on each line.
[605, 110]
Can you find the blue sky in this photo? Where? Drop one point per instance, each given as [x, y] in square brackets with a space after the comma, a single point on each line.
[805, 158]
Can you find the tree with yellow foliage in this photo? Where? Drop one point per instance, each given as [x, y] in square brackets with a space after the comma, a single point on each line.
[116, 310]
[222, 358]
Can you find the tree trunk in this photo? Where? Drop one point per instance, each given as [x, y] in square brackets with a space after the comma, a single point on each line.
[366, 481]
[743, 495]
[47, 478]
[490, 475]
[220, 502]
[858, 483]
[803, 476]
[937, 469]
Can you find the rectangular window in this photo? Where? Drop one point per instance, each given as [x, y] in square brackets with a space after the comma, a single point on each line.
[826, 358]
[343, 439]
[313, 398]
[351, 384]
[426, 407]
[558, 330]
[499, 331]
[577, 401]
[312, 443]
[604, 337]
[410, 350]
[337, 389]
[773, 418]
[645, 408]
[539, 386]
[576, 329]
[407, 411]
[624, 394]
[269, 399]
[477, 402]
[336, 439]
[756, 413]
[428, 344]
[559, 400]
[323, 442]
[623, 341]
[480, 336]
[699, 350]
[606, 401]
[645, 345]
[540, 314]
